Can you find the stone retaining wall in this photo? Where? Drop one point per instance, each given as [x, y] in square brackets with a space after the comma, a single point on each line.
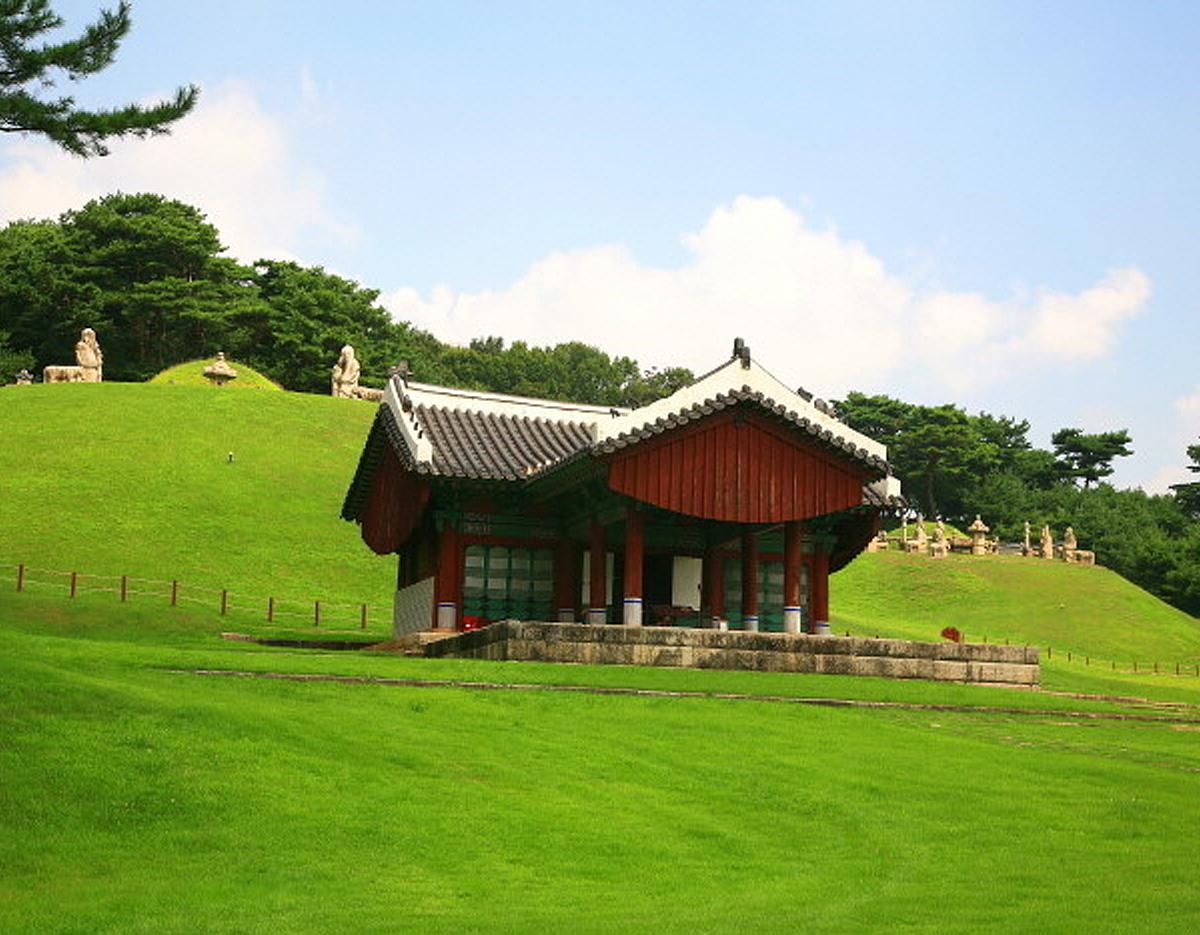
[731, 649]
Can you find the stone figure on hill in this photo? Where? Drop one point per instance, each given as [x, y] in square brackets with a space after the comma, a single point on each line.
[1070, 543]
[89, 363]
[88, 357]
[1028, 547]
[921, 542]
[345, 374]
[939, 548]
[1047, 548]
[24, 377]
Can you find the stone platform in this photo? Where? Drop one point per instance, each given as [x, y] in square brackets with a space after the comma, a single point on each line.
[731, 649]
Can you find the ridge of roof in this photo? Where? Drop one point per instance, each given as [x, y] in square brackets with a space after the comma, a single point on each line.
[445, 431]
[739, 375]
[745, 393]
[503, 403]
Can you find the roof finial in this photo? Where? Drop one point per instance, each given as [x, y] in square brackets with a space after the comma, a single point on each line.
[741, 350]
[401, 370]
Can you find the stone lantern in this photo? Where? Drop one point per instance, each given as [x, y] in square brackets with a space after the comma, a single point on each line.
[219, 372]
[978, 533]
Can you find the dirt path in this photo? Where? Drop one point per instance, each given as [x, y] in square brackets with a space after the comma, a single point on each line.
[666, 693]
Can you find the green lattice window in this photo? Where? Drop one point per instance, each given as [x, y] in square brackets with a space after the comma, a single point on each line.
[770, 594]
[500, 582]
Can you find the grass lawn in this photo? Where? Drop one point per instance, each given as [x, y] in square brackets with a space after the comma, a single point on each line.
[139, 799]
[134, 479]
[135, 797]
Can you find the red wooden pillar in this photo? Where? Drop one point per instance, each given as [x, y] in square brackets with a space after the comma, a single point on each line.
[597, 576]
[635, 556]
[566, 580]
[447, 580]
[749, 581]
[713, 572]
[793, 559]
[819, 591]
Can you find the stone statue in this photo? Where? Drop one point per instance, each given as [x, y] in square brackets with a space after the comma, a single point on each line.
[1047, 547]
[921, 543]
[1028, 548]
[89, 363]
[345, 374]
[939, 548]
[88, 357]
[24, 377]
[219, 372]
[1070, 543]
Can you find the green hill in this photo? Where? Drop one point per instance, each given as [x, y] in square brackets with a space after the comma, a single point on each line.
[1085, 610]
[191, 373]
[136, 479]
[142, 791]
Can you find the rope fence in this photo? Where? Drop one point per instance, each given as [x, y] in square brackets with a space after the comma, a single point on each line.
[271, 609]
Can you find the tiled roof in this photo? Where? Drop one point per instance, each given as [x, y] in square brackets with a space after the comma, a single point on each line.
[443, 432]
[497, 447]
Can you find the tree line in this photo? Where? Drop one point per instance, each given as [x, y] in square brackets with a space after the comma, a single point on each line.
[954, 465]
[149, 274]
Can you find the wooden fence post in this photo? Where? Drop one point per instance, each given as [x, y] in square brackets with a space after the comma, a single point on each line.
[362, 623]
[124, 587]
[174, 593]
[270, 610]
[21, 577]
[224, 601]
[316, 613]
[74, 577]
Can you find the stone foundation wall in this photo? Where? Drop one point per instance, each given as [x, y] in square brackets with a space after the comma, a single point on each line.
[412, 610]
[763, 652]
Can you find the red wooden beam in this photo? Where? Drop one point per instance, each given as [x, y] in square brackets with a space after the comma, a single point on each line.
[597, 576]
[635, 556]
[750, 581]
[793, 561]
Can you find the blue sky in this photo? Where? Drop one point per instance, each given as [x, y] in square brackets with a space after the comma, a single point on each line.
[993, 204]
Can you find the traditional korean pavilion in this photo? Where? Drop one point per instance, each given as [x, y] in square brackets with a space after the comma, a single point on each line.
[728, 503]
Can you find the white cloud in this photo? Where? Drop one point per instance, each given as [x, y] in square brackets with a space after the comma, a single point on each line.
[816, 307]
[230, 158]
[1186, 432]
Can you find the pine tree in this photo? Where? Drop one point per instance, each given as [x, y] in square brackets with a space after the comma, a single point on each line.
[29, 66]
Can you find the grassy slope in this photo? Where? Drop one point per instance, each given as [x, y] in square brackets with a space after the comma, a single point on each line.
[134, 479]
[136, 799]
[1068, 607]
[191, 373]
